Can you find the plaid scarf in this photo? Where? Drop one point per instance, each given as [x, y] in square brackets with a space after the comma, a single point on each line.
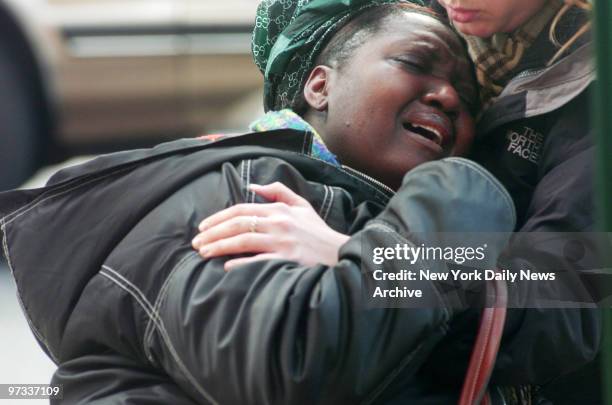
[288, 119]
[495, 58]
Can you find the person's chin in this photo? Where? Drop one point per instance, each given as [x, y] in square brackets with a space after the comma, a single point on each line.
[475, 29]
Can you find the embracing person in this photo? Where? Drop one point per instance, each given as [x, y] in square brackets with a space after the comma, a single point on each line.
[533, 63]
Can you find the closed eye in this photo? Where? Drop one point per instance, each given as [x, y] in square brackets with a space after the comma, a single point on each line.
[412, 65]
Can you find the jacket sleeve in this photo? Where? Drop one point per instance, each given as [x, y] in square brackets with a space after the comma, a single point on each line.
[276, 332]
[112, 379]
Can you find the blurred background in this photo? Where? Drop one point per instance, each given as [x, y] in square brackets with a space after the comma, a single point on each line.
[95, 75]
[83, 77]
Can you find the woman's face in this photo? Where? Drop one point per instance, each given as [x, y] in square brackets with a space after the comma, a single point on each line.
[484, 18]
[401, 99]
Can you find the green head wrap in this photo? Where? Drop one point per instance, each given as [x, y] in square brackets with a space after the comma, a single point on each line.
[288, 36]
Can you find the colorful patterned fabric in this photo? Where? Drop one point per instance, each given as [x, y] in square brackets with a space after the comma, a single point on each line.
[288, 119]
[497, 56]
[288, 36]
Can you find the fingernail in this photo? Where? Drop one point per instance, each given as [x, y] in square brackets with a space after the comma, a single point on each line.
[195, 242]
[253, 185]
[203, 225]
[204, 252]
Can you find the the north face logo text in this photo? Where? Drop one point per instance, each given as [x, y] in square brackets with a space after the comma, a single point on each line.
[527, 144]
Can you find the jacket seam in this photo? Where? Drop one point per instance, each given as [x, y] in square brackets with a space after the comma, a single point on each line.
[5, 245]
[144, 303]
[242, 171]
[56, 193]
[329, 205]
[24, 309]
[148, 334]
[379, 194]
[304, 145]
[324, 202]
[308, 141]
[243, 179]
[250, 194]
[245, 174]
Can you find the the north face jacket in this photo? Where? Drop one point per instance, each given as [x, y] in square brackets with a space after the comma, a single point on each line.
[131, 314]
[536, 138]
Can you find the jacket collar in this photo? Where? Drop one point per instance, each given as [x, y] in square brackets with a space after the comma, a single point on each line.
[537, 92]
[288, 119]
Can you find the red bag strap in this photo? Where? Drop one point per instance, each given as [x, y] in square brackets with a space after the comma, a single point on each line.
[486, 346]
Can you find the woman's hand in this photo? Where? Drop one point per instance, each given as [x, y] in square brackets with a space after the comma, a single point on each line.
[287, 228]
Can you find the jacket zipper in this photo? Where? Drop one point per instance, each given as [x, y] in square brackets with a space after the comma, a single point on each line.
[383, 188]
[372, 181]
[529, 72]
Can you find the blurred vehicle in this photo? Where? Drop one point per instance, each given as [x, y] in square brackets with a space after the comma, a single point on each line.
[76, 72]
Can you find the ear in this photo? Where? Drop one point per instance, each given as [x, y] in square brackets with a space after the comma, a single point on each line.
[316, 87]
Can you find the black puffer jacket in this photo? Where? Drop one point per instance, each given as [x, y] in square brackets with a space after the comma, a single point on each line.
[118, 298]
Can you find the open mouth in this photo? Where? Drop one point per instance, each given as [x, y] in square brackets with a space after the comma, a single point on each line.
[427, 132]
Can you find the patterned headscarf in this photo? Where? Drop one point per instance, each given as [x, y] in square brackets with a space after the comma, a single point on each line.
[289, 35]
